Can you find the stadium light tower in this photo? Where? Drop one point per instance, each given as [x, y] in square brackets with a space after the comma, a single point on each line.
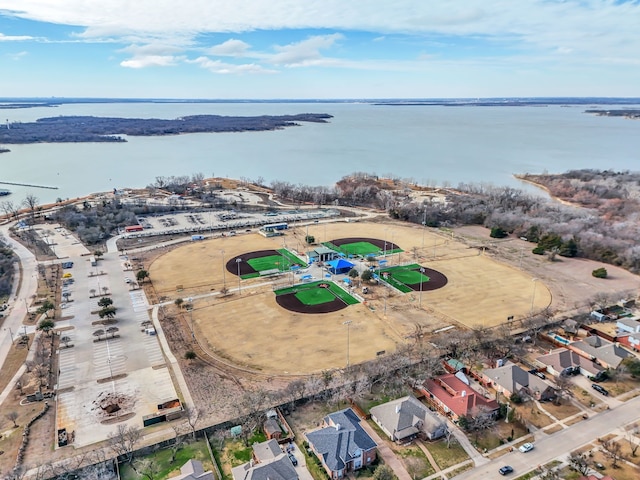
[348, 324]
[238, 261]
[421, 277]
[533, 294]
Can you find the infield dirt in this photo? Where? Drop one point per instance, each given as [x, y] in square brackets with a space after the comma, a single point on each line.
[250, 329]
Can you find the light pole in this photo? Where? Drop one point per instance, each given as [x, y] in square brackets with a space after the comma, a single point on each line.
[385, 243]
[533, 294]
[193, 335]
[424, 225]
[421, 277]
[224, 277]
[348, 324]
[238, 260]
[10, 333]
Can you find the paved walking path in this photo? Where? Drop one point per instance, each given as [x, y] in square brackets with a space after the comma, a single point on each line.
[432, 460]
[384, 451]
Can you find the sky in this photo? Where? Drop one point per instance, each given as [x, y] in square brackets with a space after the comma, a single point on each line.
[296, 49]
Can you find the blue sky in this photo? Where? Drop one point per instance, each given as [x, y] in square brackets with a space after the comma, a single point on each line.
[319, 49]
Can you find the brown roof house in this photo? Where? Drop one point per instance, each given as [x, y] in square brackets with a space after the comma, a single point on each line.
[269, 463]
[562, 361]
[341, 444]
[407, 418]
[455, 398]
[510, 379]
[606, 353]
[193, 470]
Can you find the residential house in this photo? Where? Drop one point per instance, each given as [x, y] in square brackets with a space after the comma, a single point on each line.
[628, 325]
[407, 418]
[510, 379]
[454, 398]
[604, 352]
[268, 462]
[341, 444]
[630, 340]
[563, 361]
[193, 470]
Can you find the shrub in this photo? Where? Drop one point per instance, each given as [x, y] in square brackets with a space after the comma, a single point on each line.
[600, 272]
[538, 251]
[497, 232]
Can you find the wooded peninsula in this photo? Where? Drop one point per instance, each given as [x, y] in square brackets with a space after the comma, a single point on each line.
[104, 129]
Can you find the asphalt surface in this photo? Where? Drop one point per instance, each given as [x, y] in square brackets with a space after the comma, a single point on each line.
[560, 443]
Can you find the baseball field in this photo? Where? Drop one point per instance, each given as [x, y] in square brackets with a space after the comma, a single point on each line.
[247, 325]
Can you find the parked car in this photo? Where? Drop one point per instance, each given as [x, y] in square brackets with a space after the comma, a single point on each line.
[600, 389]
[601, 376]
[505, 470]
[67, 265]
[526, 447]
[293, 459]
[537, 373]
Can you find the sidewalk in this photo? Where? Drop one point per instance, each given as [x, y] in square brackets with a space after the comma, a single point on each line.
[384, 451]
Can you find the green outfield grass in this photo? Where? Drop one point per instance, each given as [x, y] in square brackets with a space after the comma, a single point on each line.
[361, 249]
[312, 294]
[281, 262]
[315, 296]
[403, 275]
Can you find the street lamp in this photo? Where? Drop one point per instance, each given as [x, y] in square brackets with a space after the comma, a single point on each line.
[238, 261]
[348, 324]
[385, 243]
[421, 277]
[193, 335]
[533, 294]
[224, 278]
[424, 225]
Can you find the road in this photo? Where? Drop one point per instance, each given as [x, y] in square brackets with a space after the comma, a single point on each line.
[23, 291]
[560, 443]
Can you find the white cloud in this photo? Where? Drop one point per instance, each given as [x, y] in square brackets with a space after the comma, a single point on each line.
[230, 48]
[144, 61]
[17, 55]
[216, 66]
[306, 52]
[592, 29]
[14, 38]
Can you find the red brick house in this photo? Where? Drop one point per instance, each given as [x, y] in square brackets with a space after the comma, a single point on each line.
[452, 397]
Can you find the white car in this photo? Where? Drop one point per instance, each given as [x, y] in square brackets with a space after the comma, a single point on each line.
[526, 447]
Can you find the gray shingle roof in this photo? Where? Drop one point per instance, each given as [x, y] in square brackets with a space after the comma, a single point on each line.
[280, 468]
[342, 440]
[406, 416]
[602, 349]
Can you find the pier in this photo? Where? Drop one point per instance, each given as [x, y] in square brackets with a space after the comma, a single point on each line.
[29, 185]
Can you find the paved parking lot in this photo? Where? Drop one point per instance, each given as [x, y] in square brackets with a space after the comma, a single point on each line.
[219, 221]
[128, 370]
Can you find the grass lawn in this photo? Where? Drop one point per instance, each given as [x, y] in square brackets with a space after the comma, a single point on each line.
[497, 435]
[401, 276]
[164, 467]
[307, 294]
[315, 296]
[447, 457]
[283, 262]
[357, 248]
[235, 453]
[415, 461]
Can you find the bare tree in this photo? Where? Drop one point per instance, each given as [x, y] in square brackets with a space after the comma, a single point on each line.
[123, 441]
[31, 202]
[580, 462]
[632, 439]
[613, 450]
[192, 414]
[9, 208]
[12, 416]
[148, 467]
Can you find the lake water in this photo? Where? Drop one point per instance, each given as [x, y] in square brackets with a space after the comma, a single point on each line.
[432, 145]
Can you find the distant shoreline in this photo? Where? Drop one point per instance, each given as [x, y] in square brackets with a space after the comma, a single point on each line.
[522, 178]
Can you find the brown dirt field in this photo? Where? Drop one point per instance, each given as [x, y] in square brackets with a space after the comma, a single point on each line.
[252, 330]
